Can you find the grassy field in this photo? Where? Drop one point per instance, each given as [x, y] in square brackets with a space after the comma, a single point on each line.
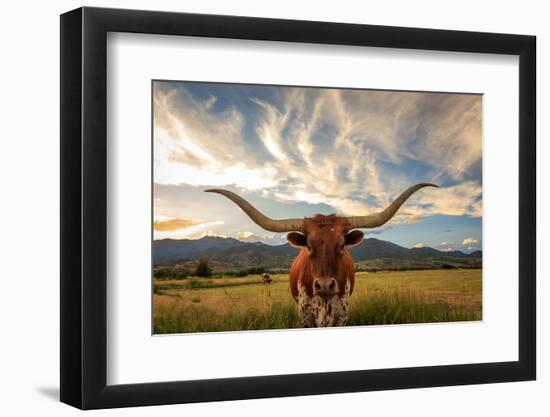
[225, 304]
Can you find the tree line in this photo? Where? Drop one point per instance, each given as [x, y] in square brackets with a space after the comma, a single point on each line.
[203, 270]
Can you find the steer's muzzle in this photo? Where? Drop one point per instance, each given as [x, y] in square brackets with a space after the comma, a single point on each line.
[325, 287]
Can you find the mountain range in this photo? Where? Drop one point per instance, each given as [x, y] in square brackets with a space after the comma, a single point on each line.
[234, 252]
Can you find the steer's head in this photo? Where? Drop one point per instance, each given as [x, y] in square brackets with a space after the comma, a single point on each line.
[325, 238]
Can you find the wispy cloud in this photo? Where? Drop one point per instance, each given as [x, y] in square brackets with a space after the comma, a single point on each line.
[378, 231]
[351, 150]
[463, 199]
[445, 247]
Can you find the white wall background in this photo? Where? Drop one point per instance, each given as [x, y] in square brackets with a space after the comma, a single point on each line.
[29, 168]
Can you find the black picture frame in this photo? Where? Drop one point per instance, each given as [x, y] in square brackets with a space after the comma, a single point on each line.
[84, 207]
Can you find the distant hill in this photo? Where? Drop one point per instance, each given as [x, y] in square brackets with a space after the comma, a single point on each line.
[372, 248]
[257, 254]
[232, 252]
[174, 249]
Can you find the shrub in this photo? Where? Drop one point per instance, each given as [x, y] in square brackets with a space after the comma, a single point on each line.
[159, 273]
[203, 270]
[165, 274]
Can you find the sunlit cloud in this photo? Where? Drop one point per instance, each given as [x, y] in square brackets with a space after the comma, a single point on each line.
[190, 232]
[265, 238]
[469, 241]
[463, 199]
[244, 235]
[211, 233]
[418, 245]
[445, 247]
[169, 225]
[351, 151]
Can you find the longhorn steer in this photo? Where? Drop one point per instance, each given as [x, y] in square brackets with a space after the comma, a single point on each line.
[266, 278]
[322, 275]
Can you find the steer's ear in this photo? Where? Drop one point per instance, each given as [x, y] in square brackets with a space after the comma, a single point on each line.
[354, 238]
[296, 239]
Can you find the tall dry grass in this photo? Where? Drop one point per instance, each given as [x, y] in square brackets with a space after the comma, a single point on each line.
[382, 298]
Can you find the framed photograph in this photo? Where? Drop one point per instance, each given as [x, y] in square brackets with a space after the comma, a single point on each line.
[257, 208]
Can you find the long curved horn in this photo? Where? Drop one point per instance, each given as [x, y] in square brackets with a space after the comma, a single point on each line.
[378, 219]
[287, 225]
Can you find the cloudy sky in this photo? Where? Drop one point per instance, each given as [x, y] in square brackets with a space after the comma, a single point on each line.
[295, 152]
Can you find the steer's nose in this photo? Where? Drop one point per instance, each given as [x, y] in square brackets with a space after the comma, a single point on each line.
[325, 287]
